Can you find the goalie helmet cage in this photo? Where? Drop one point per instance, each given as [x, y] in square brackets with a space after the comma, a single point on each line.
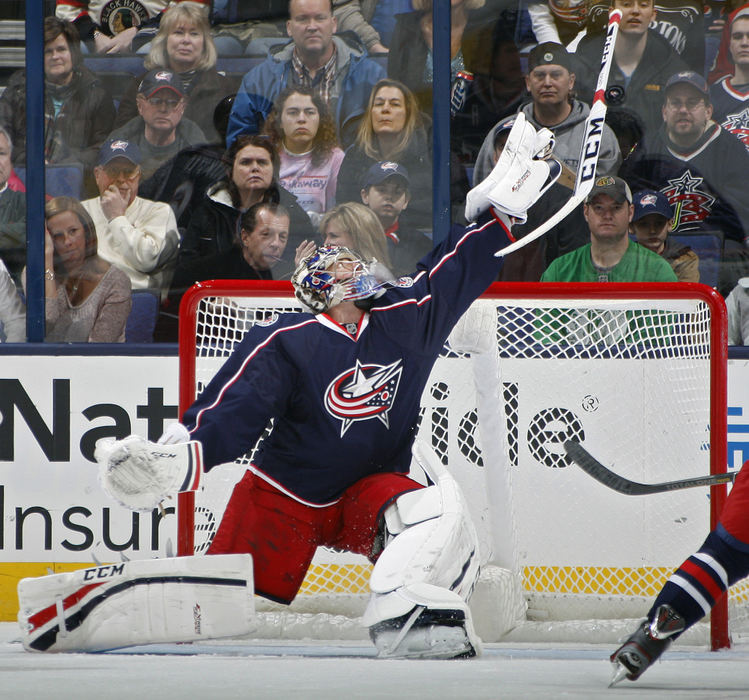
[637, 372]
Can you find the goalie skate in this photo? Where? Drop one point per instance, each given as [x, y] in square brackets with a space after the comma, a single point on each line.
[427, 634]
[646, 645]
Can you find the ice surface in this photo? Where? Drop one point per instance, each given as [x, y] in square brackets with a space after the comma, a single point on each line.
[309, 670]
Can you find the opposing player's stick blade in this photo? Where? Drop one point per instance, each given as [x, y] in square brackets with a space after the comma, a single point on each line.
[594, 468]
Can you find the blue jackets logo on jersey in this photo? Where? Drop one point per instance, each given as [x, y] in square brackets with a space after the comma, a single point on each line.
[363, 392]
[738, 125]
[690, 203]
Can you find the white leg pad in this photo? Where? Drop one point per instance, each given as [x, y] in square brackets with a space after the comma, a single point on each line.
[426, 573]
[435, 541]
[138, 602]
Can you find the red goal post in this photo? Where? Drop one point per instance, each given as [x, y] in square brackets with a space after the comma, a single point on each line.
[679, 376]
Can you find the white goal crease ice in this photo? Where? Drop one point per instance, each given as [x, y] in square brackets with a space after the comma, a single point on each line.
[636, 372]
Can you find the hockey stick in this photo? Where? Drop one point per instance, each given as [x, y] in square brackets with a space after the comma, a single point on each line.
[590, 148]
[591, 466]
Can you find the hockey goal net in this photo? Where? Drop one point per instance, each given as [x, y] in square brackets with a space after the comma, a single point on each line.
[637, 372]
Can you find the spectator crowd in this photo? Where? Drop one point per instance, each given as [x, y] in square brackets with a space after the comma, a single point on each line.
[249, 130]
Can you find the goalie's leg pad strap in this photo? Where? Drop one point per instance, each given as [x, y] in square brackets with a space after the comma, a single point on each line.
[138, 602]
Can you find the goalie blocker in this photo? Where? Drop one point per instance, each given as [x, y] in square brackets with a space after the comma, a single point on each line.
[138, 602]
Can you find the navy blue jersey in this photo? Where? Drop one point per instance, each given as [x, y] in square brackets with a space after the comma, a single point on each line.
[343, 407]
[704, 183]
[731, 107]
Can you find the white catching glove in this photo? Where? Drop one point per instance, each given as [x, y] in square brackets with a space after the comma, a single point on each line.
[140, 474]
[175, 432]
[520, 176]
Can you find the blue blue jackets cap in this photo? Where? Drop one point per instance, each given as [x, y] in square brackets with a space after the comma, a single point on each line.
[688, 77]
[651, 202]
[158, 79]
[119, 148]
[381, 171]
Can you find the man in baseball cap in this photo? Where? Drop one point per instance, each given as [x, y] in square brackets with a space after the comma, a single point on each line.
[687, 110]
[160, 79]
[118, 148]
[610, 256]
[137, 235]
[612, 186]
[549, 53]
[161, 131]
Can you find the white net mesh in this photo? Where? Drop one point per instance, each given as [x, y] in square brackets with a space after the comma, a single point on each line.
[631, 378]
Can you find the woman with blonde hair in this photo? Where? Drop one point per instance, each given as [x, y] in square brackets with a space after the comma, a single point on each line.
[392, 129]
[353, 226]
[184, 45]
[87, 299]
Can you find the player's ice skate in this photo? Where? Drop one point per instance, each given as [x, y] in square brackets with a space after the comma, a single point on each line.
[646, 645]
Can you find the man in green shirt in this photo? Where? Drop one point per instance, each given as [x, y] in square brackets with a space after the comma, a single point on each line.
[610, 256]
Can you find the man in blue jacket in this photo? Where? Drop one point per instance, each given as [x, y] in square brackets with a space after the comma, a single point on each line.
[339, 72]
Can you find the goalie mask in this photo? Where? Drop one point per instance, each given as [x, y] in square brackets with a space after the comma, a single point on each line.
[332, 274]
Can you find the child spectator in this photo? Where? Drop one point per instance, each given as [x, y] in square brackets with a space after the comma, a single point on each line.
[386, 191]
[651, 223]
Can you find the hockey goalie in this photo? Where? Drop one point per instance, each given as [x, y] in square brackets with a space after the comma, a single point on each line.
[343, 385]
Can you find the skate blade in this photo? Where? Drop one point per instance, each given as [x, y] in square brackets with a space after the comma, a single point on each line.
[620, 672]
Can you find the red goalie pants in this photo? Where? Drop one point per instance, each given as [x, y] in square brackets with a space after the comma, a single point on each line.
[282, 534]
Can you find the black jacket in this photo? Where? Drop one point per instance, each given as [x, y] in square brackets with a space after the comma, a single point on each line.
[644, 94]
[80, 127]
[213, 227]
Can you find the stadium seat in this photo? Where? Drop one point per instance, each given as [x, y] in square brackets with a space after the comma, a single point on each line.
[61, 180]
[142, 319]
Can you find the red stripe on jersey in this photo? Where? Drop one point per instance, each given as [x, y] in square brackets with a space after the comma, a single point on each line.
[703, 578]
[599, 96]
[197, 464]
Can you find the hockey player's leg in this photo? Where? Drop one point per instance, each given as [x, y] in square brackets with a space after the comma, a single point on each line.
[694, 588]
[425, 575]
[138, 602]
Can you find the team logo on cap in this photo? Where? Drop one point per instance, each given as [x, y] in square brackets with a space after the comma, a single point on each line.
[388, 165]
[548, 57]
[648, 200]
[363, 392]
[119, 145]
[163, 75]
[605, 181]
